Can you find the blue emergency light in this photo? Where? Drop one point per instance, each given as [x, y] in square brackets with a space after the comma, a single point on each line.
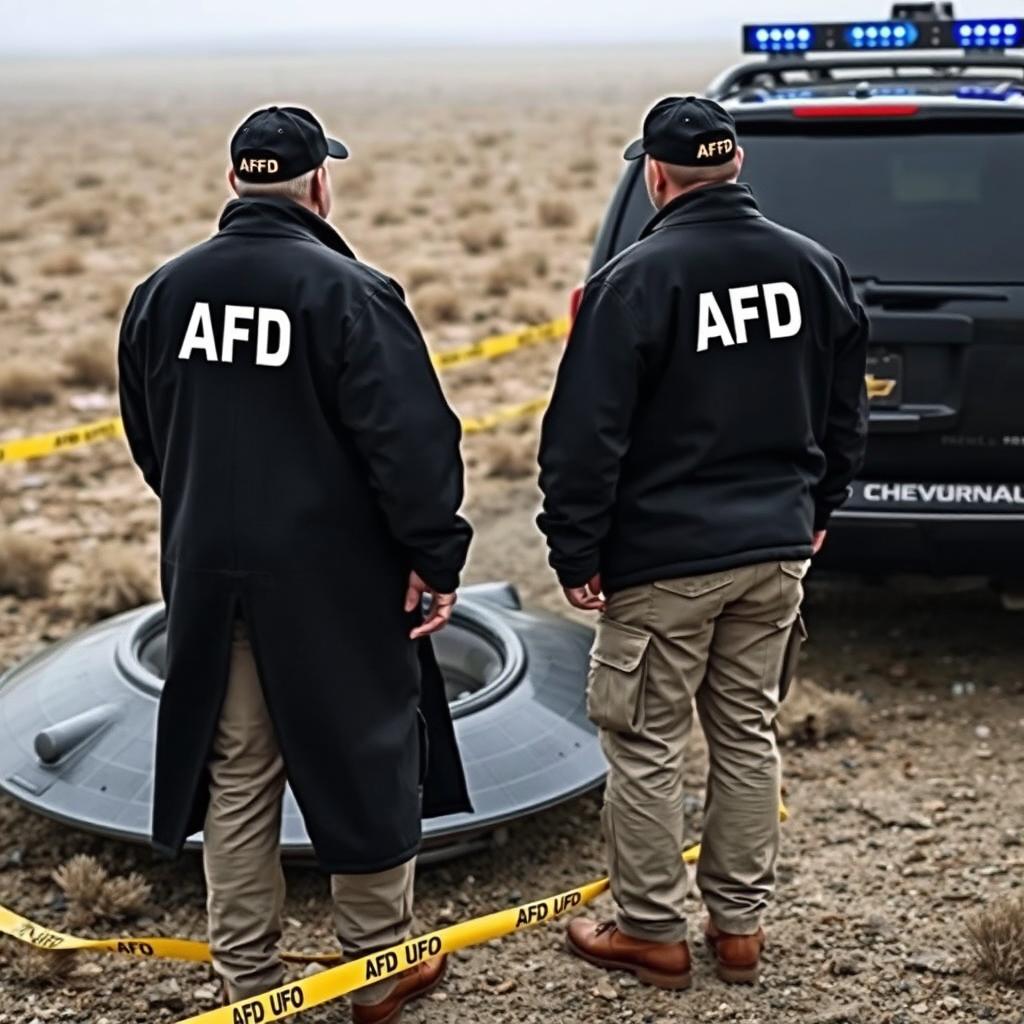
[988, 33]
[894, 34]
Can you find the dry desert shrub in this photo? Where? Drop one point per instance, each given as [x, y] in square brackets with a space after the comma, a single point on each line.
[386, 216]
[506, 276]
[39, 968]
[40, 192]
[64, 263]
[25, 564]
[510, 456]
[556, 213]
[513, 272]
[7, 275]
[134, 203]
[437, 303]
[354, 184]
[118, 577]
[91, 362]
[583, 165]
[420, 274]
[527, 308]
[810, 713]
[537, 261]
[996, 936]
[206, 210]
[13, 232]
[25, 383]
[472, 206]
[88, 180]
[114, 301]
[92, 894]
[89, 222]
[486, 139]
[480, 234]
[81, 879]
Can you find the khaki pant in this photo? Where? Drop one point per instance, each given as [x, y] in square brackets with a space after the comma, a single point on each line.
[241, 854]
[718, 639]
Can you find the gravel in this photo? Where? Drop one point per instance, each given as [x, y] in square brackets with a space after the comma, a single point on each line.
[854, 936]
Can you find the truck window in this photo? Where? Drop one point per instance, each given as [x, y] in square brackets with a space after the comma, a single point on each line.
[931, 207]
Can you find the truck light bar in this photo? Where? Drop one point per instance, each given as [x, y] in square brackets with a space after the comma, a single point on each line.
[896, 34]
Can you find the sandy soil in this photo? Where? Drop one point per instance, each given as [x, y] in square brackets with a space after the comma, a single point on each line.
[478, 179]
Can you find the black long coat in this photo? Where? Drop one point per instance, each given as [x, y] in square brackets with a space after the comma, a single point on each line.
[278, 397]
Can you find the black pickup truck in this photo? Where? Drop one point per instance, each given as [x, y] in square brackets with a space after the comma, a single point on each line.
[900, 146]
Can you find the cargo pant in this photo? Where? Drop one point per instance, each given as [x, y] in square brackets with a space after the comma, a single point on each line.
[718, 640]
[242, 858]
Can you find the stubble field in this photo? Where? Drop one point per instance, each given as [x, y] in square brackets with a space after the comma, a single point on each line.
[477, 179]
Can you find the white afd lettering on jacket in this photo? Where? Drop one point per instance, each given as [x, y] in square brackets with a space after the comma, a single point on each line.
[272, 347]
[743, 306]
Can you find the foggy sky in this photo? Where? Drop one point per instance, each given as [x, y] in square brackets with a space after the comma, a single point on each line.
[84, 27]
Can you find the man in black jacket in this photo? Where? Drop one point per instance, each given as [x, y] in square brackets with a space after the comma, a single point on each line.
[279, 399]
[708, 417]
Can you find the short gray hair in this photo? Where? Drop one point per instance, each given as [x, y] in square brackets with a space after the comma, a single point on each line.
[293, 188]
[685, 176]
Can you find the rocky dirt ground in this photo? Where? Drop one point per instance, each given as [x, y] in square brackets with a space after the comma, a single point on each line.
[478, 179]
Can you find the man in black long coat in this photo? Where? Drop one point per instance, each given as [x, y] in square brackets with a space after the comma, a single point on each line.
[279, 399]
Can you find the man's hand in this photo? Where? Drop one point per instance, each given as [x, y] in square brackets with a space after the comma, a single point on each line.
[819, 540]
[439, 612]
[588, 597]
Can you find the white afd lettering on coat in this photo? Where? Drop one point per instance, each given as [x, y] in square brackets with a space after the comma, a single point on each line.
[272, 346]
[743, 306]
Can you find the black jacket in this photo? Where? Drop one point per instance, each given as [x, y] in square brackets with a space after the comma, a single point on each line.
[672, 445]
[279, 398]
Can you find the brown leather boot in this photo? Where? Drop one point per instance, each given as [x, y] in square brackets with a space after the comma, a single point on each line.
[412, 984]
[664, 964]
[737, 957]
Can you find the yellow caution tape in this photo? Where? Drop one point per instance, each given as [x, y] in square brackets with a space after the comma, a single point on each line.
[487, 348]
[501, 344]
[334, 982]
[148, 948]
[60, 440]
[474, 425]
[106, 430]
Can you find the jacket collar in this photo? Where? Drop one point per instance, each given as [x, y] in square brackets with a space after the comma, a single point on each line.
[274, 215]
[712, 202]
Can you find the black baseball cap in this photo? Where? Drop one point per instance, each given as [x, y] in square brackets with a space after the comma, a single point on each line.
[280, 143]
[687, 130]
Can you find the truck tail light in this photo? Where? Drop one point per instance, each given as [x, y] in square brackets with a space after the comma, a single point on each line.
[858, 110]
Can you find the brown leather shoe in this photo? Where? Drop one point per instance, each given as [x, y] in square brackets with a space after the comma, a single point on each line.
[664, 964]
[737, 957]
[412, 984]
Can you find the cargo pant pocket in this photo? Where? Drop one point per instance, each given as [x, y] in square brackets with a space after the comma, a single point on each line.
[696, 586]
[617, 677]
[791, 658]
[791, 590]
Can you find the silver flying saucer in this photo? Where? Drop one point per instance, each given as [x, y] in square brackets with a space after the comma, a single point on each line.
[78, 720]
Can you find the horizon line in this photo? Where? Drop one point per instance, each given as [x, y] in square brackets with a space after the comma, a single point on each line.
[307, 45]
